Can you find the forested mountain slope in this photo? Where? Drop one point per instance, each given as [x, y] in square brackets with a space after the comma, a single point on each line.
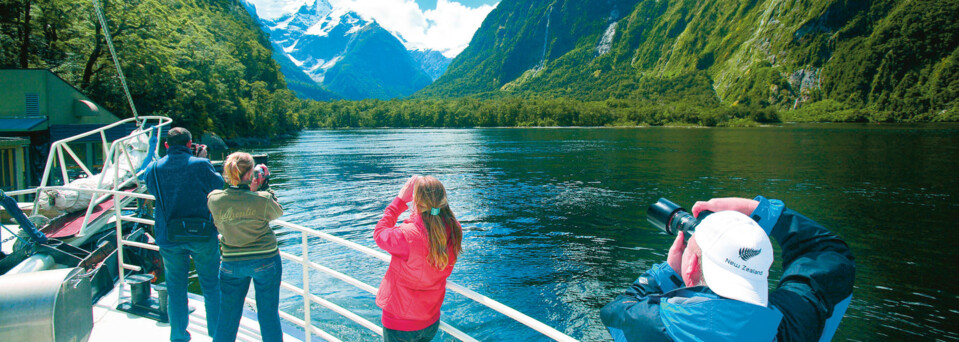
[895, 60]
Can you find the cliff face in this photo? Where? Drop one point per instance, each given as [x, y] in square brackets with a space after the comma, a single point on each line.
[895, 57]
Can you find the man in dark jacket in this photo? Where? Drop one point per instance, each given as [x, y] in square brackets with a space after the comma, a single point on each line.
[181, 182]
[714, 287]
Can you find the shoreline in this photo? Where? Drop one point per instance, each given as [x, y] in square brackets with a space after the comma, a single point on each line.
[263, 141]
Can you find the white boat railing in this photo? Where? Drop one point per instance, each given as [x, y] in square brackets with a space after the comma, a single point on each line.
[308, 266]
[60, 149]
[310, 298]
[148, 126]
[473, 295]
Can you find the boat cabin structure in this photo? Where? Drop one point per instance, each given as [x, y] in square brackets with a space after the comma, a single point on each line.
[38, 107]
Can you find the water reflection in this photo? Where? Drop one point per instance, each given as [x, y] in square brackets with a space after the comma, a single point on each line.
[555, 218]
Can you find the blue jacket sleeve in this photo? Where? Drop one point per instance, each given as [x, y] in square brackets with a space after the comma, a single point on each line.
[148, 178]
[214, 179]
[818, 270]
[634, 315]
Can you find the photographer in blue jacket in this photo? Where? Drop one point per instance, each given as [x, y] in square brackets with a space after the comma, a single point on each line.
[714, 287]
[180, 181]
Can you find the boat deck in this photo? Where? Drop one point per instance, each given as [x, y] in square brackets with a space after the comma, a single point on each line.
[110, 324]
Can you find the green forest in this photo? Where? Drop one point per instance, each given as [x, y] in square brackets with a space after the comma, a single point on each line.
[207, 65]
[203, 63]
[828, 60]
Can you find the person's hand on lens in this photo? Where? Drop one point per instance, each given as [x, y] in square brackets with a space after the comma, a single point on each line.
[743, 205]
[260, 175]
[201, 151]
[675, 257]
[406, 193]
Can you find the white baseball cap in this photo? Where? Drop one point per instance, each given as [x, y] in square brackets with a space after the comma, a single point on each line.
[736, 257]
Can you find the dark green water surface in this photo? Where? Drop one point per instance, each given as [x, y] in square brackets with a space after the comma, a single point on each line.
[555, 219]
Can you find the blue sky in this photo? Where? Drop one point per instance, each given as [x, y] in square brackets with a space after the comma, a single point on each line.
[443, 25]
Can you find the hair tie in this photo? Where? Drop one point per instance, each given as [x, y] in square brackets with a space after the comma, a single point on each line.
[435, 211]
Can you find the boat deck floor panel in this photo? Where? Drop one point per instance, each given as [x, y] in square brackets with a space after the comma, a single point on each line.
[111, 324]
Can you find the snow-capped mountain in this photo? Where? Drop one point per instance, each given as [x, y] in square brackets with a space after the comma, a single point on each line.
[433, 62]
[348, 54]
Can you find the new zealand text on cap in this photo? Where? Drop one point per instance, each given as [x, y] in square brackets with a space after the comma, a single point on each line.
[736, 258]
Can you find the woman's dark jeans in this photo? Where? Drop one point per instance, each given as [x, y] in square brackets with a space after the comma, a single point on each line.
[235, 279]
[424, 335]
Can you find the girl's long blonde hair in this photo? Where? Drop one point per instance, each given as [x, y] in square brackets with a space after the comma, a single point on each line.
[429, 194]
[235, 166]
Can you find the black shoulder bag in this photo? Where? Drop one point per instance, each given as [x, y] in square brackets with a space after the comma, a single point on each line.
[186, 229]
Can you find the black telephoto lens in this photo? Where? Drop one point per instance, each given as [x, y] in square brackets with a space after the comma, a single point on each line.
[683, 221]
[672, 219]
[660, 213]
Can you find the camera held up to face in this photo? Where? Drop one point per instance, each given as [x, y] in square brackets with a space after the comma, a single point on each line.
[198, 150]
[261, 173]
[671, 218]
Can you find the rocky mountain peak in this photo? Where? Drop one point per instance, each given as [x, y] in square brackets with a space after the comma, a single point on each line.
[317, 37]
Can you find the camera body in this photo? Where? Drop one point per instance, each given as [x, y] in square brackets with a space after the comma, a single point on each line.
[261, 172]
[672, 219]
[196, 148]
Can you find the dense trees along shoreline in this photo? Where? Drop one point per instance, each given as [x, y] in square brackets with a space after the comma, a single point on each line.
[208, 66]
[203, 63]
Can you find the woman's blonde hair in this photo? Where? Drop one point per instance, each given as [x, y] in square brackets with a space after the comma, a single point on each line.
[430, 194]
[235, 166]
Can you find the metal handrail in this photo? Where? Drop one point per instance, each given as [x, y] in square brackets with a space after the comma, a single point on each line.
[310, 298]
[161, 121]
[112, 156]
[56, 152]
[488, 302]
[111, 159]
[308, 265]
[57, 149]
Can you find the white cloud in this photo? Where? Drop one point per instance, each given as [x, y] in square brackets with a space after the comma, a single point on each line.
[454, 25]
[448, 28]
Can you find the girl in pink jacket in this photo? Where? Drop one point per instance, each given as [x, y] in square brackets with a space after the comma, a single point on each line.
[423, 250]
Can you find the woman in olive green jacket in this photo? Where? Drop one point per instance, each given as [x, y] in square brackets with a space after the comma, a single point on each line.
[248, 247]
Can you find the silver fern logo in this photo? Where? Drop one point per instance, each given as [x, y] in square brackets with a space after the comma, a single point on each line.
[748, 253]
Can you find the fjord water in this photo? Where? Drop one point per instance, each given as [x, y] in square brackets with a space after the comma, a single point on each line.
[555, 219]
